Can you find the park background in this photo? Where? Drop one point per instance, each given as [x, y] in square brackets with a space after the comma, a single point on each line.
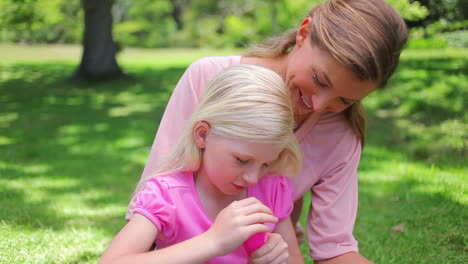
[75, 130]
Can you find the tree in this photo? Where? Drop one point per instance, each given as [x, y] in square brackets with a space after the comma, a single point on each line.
[99, 49]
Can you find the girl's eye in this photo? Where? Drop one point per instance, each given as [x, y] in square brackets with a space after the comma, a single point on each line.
[318, 81]
[266, 165]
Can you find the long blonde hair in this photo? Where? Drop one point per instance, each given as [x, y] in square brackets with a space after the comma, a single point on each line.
[243, 102]
[366, 35]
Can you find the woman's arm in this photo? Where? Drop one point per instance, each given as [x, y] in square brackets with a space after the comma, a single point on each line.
[347, 258]
[286, 230]
[133, 242]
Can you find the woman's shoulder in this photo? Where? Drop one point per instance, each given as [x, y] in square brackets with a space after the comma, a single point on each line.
[216, 62]
[171, 180]
[331, 136]
[333, 126]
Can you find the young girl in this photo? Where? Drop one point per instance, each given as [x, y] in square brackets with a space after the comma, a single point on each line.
[222, 183]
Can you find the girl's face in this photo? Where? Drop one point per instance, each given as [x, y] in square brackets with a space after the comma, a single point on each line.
[229, 166]
[318, 82]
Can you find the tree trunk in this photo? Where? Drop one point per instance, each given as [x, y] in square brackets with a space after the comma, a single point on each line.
[274, 17]
[177, 14]
[99, 49]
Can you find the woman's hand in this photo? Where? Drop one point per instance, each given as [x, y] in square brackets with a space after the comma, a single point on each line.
[237, 222]
[275, 251]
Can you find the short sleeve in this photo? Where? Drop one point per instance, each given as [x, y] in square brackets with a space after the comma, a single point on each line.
[284, 198]
[277, 192]
[154, 203]
[334, 207]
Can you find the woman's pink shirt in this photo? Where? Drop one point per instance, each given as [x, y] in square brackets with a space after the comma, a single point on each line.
[331, 153]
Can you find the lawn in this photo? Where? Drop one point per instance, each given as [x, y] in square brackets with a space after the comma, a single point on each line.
[70, 154]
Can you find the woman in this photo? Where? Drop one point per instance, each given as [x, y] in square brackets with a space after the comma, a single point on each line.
[342, 51]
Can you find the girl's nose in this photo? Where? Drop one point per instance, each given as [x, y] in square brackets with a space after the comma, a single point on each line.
[252, 176]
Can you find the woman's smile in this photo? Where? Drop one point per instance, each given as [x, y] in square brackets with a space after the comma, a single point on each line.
[307, 105]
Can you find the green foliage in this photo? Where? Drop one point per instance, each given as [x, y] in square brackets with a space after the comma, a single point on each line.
[410, 11]
[446, 26]
[449, 10]
[41, 21]
[427, 43]
[457, 39]
[145, 23]
[426, 101]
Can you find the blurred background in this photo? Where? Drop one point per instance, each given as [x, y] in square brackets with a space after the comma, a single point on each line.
[83, 85]
[207, 23]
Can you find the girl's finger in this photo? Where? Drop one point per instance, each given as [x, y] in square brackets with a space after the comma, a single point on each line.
[259, 218]
[256, 228]
[256, 207]
[273, 241]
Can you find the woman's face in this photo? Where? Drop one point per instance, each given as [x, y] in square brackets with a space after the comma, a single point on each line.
[318, 82]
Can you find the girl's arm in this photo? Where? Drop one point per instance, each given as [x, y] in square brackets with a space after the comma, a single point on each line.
[286, 229]
[281, 247]
[233, 225]
[133, 243]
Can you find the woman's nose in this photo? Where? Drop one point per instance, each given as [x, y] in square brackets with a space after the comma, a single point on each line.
[320, 101]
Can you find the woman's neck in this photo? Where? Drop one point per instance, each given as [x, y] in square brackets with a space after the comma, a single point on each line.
[277, 64]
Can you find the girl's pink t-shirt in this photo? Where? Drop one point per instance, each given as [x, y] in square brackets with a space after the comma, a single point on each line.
[330, 149]
[172, 204]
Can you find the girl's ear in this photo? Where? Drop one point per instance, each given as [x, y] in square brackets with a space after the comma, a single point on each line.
[304, 30]
[200, 133]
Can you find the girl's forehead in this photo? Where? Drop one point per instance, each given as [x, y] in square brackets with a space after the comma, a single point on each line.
[262, 152]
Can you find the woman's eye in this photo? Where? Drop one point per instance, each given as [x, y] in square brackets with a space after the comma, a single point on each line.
[346, 102]
[318, 81]
[241, 160]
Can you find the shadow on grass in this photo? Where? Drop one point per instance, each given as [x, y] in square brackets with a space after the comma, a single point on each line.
[422, 112]
[81, 146]
[402, 224]
[419, 121]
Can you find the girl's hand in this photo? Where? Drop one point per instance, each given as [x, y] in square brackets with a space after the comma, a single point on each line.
[237, 222]
[275, 251]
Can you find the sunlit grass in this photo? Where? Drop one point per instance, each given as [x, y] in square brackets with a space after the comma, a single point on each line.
[70, 154]
[71, 54]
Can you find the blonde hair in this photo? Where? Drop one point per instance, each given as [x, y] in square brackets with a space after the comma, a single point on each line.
[366, 35]
[243, 102]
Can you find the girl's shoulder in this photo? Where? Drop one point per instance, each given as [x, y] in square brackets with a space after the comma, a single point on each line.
[275, 191]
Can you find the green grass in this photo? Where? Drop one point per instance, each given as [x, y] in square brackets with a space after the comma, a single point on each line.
[70, 154]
